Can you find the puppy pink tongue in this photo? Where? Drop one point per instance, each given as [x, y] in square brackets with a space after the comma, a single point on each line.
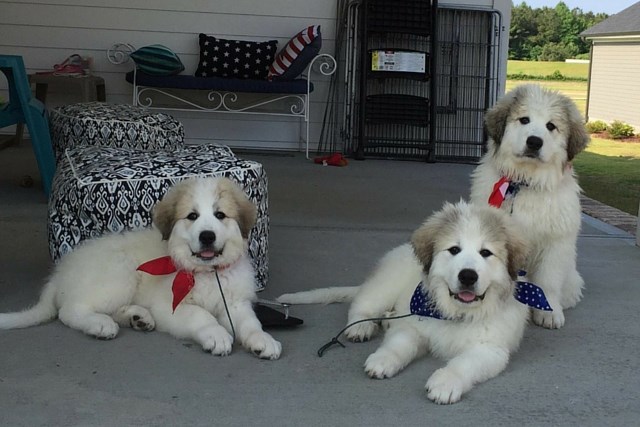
[466, 296]
[207, 254]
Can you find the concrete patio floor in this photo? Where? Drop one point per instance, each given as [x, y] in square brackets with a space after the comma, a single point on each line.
[329, 225]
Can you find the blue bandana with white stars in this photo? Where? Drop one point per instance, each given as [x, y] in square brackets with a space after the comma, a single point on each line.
[422, 305]
[530, 294]
[526, 292]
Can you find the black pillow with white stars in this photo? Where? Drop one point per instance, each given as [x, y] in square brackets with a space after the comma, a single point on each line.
[235, 58]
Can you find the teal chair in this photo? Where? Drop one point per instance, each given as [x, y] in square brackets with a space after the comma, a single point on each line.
[24, 108]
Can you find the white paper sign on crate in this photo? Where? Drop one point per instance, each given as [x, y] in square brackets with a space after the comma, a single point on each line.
[398, 61]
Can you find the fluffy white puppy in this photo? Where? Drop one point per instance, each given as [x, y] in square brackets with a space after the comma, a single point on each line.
[457, 277]
[200, 244]
[534, 133]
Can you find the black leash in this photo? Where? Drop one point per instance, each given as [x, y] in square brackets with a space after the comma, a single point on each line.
[226, 308]
[335, 339]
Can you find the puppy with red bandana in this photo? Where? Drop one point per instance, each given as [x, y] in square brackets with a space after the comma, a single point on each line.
[190, 275]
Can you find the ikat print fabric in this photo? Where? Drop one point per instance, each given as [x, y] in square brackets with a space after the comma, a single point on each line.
[113, 125]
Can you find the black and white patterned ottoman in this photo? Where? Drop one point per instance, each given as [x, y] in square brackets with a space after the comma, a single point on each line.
[103, 189]
[113, 125]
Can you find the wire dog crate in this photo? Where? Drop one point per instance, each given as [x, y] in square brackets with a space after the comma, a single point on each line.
[436, 114]
[467, 79]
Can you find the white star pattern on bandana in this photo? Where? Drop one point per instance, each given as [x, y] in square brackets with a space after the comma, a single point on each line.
[530, 294]
[422, 305]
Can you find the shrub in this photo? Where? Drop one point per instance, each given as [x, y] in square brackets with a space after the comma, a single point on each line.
[619, 129]
[556, 75]
[596, 126]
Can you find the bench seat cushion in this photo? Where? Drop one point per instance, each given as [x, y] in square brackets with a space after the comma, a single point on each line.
[183, 81]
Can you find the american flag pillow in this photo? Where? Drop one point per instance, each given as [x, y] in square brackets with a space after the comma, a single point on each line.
[296, 55]
[235, 58]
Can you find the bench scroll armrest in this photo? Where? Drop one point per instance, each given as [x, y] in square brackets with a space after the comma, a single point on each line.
[118, 54]
[326, 65]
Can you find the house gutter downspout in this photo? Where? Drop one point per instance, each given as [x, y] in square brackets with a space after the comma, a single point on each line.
[586, 112]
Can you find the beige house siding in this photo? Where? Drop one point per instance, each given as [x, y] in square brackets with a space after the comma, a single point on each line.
[614, 90]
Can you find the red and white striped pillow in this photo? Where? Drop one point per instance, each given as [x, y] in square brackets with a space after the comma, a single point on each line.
[294, 58]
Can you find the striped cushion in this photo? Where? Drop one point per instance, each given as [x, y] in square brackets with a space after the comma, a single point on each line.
[297, 54]
[157, 60]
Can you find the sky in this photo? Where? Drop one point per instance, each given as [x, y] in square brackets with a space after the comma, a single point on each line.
[609, 7]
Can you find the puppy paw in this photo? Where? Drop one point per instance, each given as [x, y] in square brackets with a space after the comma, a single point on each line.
[215, 340]
[135, 316]
[444, 387]
[263, 345]
[144, 322]
[382, 364]
[362, 331]
[102, 328]
[549, 319]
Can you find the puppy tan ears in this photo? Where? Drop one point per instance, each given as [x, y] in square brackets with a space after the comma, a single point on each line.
[423, 241]
[164, 212]
[247, 211]
[495, 119]
[578, 136]
[424, 238]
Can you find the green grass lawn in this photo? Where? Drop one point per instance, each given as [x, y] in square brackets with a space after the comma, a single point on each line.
[609, 171]
[540, 68]
[574, 90]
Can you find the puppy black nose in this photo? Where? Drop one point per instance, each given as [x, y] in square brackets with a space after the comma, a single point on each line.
[534, 143]
[207, 238]
[468, 277]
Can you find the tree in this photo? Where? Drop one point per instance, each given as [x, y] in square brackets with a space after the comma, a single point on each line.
[557, 52]
[549, 34]
[523, 27]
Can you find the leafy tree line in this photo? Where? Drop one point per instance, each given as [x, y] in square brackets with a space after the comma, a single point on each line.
[549, 34]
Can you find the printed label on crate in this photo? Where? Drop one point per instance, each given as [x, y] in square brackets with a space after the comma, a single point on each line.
[404, 62]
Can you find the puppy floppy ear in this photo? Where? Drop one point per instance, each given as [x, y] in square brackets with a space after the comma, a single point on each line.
[423, 242]
[495, 119]
[164, 212]
[424, 238]
[578, 137]
[247, 211]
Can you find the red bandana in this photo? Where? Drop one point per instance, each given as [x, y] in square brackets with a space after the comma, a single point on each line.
[182, 283]
[499, 192]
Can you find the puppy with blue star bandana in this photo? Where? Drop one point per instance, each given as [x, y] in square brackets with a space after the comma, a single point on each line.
[454, 292]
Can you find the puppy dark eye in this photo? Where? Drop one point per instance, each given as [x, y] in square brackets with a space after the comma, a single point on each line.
[551, 126]
[485, 253]
[454, 250]
[220, 215]
[192, 216]
[524, 120]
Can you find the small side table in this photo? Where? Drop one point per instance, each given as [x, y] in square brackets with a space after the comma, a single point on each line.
[92, 87]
